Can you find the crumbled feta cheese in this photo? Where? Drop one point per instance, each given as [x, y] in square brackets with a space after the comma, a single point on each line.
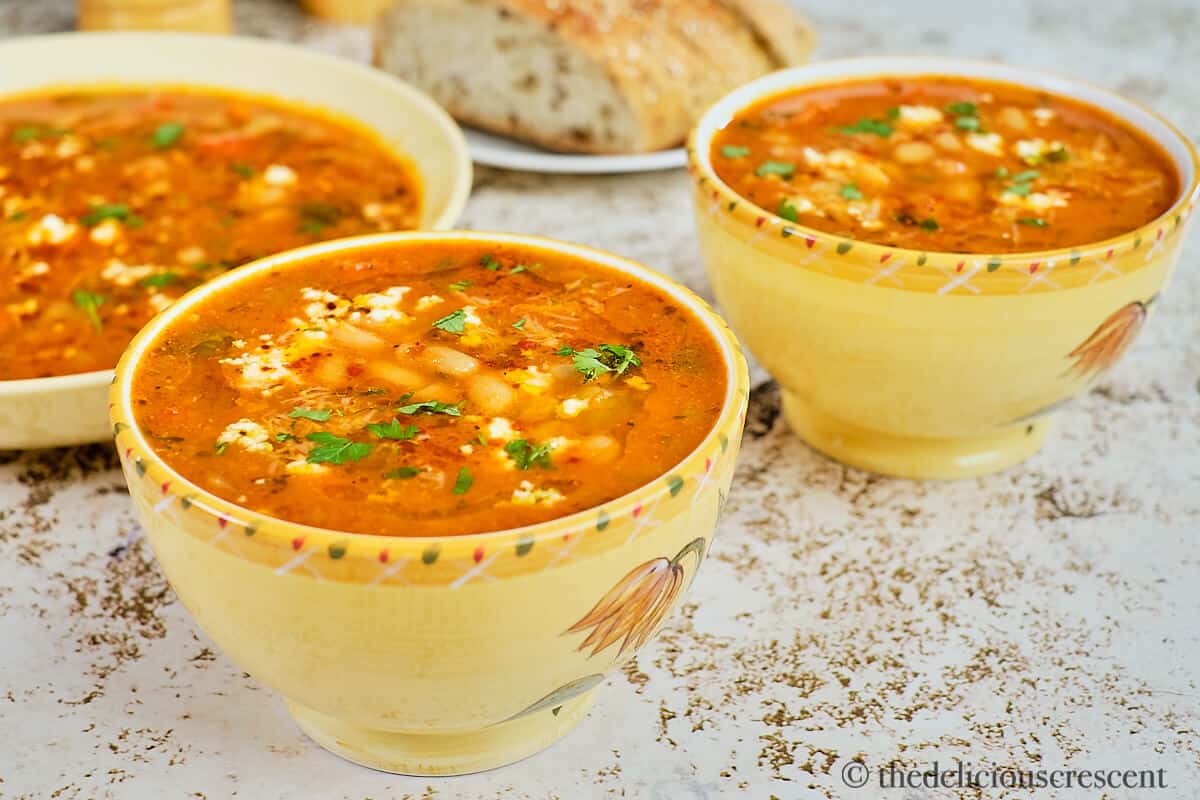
[466, 449]
[106, 232]
[279, 175]
[302, 467]
[428, 301]
[528, 495]
[246, 434]
[122, 274]
[501, 429]
[69, 147]
[190, 255]
[380, 307]
[990, 143]
[159, 301]
[323, 306]
[1035, 201]
[1031, 150]
[916, 118]
[1043, 115]
[51, 229]
[572, 407]
[261, 369]
[470, 318]
[36, 269]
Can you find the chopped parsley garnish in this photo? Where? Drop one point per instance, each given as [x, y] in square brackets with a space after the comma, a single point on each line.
[393, 430]
[875, 126]
[1019, 189]
[283, 437]
[1026, 176]
[517, 269]
[787, 211]
[118, 211]
[316, 217]
[487, 261]
[525, 454]
[244, 171]
[431, 407]
[851, 192]
[968, 123]
[167, 135]
[1056, 155]
[784, 169]
[1001, 172]
[455, 322]
[89, 303]
[460, 286]
[519, 324]
[929, 224]
[159, 280]
[18, 215]
[221, 447]
[313, 414]
[334, 449]
[403, 473]
[963, 109]
[893, 113]
[27, 133]
[1036, 222]
[463, 482]
[591, 362]
[734, 151]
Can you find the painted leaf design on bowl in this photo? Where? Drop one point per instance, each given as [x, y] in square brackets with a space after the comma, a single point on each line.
[1110, 340]
[631, 611]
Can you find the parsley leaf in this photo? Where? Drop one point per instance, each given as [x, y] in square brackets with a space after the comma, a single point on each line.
[118, 211]
[393, 430]
[1036, 222]
[166, 135]
[221, 447]
[787, 211]
[1019, 189]
[316, 217]
[243, 171]
[517, 269]
[1026, 176]
[89, 303]
[159, 280]
[609, 358]
[851, 192]
[488, 262]
[455, 322]
[431, 407]
[463, 482]
[875, 126]
[333, 449]
[27, 133]
[733, 151]
[929, 224]
[1056, 155]
[460, 286]
[892, 113]
[283, 437]
[403, 473]
[519, 324]
[1002, 172]
[314, 414]
[525, 454]
[963, 109]
[968, 123]
[784, 169]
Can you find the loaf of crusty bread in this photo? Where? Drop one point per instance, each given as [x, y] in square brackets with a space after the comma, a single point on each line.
[586, 76]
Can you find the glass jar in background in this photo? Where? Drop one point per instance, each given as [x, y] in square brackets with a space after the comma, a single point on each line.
[206, 16]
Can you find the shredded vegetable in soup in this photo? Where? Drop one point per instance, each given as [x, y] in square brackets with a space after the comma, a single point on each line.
[114, 203]
[430, 389]
[944, 164]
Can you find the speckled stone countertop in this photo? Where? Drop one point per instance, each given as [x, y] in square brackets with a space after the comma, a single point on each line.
[1042, 618]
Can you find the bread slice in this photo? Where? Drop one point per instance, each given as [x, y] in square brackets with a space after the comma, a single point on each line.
[589, 76]
[785, 35]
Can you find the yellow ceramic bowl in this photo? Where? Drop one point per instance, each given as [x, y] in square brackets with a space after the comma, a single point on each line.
[927, 365]
[422, 655]
[50, 412]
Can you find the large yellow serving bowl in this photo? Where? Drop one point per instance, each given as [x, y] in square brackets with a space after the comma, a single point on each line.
[69, 409]
[927, 365]
[424, 655]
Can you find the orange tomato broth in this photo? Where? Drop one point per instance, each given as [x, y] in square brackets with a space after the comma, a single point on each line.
[115, 201]
[430, 389]
[946, 164]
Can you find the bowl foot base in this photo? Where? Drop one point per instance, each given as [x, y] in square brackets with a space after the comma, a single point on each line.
[914, 456]
[456, 753]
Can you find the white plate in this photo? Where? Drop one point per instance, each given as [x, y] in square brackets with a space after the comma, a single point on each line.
[498, 151]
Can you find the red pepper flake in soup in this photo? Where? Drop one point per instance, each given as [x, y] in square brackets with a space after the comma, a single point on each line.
[442, 392]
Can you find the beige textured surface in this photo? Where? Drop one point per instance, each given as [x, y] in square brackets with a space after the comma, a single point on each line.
[1041, 618]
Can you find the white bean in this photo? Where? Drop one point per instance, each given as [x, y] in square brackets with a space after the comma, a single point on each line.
[449, 361]
[490, 395]
[356, 338]
[914, 152]
[601, 448]
[397, 375]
